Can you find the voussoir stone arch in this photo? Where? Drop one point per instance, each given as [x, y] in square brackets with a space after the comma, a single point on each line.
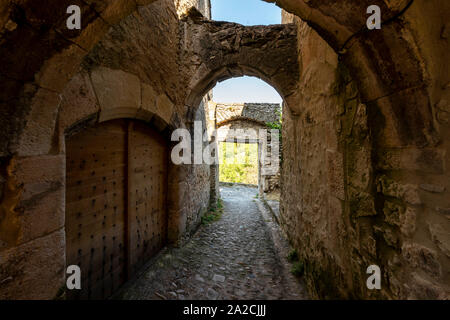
[241, 119]
[104, 94]
[31, 90]
[225, 50]
[256, 113]
[394, 74]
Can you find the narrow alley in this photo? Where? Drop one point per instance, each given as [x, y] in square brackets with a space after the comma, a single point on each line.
[122, 121]
[240, 256]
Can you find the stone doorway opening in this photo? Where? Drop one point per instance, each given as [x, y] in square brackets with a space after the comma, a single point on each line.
[238, 163]
[248, 133]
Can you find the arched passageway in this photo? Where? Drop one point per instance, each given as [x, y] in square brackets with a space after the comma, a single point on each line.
[372, 106]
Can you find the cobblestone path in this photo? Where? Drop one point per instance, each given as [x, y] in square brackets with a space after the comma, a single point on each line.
[240, 256]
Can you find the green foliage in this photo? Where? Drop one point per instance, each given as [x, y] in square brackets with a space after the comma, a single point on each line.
[292, 256]
[238, 163]
[219, 205]
[298, 269]
[211, 217]
[214, 214]
[278, 125]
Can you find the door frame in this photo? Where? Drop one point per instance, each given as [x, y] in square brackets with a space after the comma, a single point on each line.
[173, 171]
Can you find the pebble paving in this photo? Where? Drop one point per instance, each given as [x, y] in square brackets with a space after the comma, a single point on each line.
[240, 256]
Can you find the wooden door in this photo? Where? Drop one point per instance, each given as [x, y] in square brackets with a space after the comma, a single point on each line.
[115, 203]
[96, 208]
[147, 156]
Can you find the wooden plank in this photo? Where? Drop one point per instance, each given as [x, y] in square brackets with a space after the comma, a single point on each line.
[148, 172]
[95, 206]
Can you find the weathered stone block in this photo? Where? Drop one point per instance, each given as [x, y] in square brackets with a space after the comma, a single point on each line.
[420, 288]
[422, 258]
[116, 89]
[444, 211]
[388, 235]
[407, 192]
[114, 11]
[41, 207]
[397, 215]
[359, 168]
[38, 135]
[58, 70]
[441, 237]
[78, 101]
[164, 107]
[362, 204]
[149, 96]
[335, 174]
[408, 221]
[392, 212]
[426, 160]
[34, 270]
[432, 188]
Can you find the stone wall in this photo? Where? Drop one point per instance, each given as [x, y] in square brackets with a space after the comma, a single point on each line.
[126, 75]
[258, 112]
[359, 190]
[365, 175]
[122, 58]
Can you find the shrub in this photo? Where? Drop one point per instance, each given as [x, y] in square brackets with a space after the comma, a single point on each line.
[298, 269]
[214, 213]
[292, 256]
[230, 171]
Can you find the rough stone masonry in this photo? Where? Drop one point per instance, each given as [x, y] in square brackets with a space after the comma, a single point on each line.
[366, 122]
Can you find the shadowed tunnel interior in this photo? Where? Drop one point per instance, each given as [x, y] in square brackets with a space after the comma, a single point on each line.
[87, 118]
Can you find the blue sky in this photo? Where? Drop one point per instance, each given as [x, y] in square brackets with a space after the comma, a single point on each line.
[245, 89]
[246, 12]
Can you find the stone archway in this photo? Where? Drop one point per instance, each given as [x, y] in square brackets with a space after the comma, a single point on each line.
[248, 123]
[117, 199]
[394, 119]
[225, 50]
[57, 54]
[400, 96]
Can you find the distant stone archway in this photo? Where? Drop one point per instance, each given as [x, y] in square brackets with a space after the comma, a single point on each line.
[242, 123]
[258, 113]
[228, 50]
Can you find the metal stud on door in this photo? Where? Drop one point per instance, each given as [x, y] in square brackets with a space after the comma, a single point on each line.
[96, 208]
[147, 165]
[115, 203]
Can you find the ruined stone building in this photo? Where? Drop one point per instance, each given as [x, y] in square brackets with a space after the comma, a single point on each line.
[87, 116]
[242, 123]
